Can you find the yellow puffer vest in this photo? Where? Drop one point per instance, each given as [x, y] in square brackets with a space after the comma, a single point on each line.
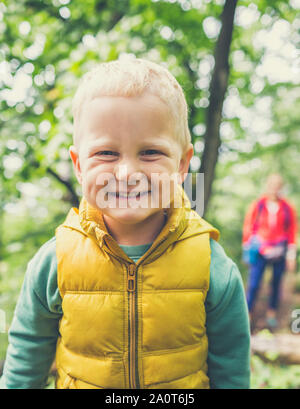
[133, 325]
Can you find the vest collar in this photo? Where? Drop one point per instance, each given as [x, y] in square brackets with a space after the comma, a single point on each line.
[92, 223]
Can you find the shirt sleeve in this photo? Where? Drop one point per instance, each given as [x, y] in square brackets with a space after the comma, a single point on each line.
[249, 222]
[293, 228]
[227, 322]
[34, 330]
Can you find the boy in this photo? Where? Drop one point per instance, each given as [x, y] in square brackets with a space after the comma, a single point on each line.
[133, 291]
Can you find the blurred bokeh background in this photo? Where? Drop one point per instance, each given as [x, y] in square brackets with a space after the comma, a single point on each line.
[46, 46]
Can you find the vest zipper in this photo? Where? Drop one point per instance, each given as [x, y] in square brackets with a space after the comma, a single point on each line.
[133, 317]
[132, 329]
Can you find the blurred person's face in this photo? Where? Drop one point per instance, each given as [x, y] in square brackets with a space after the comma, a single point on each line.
[125, 156]
[274, 186]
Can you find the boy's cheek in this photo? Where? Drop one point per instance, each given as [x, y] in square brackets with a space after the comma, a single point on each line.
[163, 190]
[78, 175]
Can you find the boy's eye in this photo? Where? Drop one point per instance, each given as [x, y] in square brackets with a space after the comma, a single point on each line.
[150, 152]
[107, 153]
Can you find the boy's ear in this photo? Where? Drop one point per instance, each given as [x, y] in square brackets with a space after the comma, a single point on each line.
[75, 159]
[185, 162]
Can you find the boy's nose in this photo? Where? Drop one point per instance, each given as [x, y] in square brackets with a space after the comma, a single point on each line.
[125, 170]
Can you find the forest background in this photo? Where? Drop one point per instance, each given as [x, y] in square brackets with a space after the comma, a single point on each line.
[239, 67]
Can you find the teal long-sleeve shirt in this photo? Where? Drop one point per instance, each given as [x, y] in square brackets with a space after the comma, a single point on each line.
[35, 327]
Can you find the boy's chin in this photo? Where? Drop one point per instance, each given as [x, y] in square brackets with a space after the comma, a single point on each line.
[130, 215]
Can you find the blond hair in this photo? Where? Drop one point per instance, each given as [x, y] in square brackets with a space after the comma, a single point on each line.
[129, 78]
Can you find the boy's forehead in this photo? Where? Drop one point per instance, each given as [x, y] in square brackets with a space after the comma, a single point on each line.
[142, 117]
[116, 113]
[105, 105]
[98, 140]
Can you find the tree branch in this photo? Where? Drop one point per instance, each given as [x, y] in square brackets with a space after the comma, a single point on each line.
[73, 196]
[218, 87]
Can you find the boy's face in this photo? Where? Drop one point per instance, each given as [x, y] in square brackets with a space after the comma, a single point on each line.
[127, 155]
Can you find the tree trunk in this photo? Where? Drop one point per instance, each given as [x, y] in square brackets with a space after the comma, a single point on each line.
[218, 87]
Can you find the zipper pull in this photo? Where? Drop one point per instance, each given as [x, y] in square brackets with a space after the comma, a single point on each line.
[131, 282]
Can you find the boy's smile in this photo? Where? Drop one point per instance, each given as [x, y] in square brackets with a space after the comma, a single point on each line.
[126, 153]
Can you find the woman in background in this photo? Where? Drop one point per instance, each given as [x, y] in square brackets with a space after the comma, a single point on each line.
[269, 237]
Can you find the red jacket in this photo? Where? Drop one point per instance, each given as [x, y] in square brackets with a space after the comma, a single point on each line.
[259, 222]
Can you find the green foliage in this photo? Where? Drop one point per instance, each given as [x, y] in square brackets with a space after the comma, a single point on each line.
[297, 285]
[46, 46]
[271, 376]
